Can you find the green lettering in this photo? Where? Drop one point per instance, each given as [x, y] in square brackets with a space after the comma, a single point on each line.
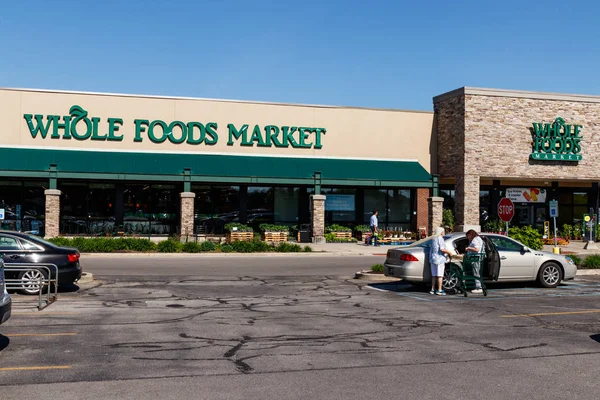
[139, 128]
[304, 133]
[171, 134]
[39, 127]
[273, 137]
[113, 126]
[163, 125]
[190, 136]
[95, 135]
[65, 126]
[288, 135]
[235, 134]
[576, 145]
[318, 132]
[257, 137]
[578, 129]
[211, 130]
[540, 129]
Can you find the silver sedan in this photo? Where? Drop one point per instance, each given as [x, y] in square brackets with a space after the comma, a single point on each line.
[518, 263]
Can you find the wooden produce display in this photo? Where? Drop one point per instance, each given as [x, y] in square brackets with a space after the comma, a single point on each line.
[343, 235]
[275, 237]
[235, 236]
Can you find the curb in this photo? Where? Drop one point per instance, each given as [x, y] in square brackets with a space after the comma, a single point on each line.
[588, 272]
[367, 276]
[225, 255]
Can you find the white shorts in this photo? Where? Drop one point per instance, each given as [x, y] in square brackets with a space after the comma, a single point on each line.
[437, 269]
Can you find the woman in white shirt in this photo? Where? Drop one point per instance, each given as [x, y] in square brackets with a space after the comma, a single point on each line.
[475, 247]
[437, 261]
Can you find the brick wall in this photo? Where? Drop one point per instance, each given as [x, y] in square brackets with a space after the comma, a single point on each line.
[423, 208]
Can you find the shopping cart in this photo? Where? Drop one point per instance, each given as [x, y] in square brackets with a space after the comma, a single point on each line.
[467, 277]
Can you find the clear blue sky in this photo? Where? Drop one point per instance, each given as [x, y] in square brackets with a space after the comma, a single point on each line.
[391, 54]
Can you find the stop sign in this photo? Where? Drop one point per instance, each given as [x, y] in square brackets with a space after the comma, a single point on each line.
[506, 209]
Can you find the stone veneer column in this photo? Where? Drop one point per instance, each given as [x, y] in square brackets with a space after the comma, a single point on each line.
[436, 208]
[187, 214]
[466, 202]
[317, 222]
[52, 217]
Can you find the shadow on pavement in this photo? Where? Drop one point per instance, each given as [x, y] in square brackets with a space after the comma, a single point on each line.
[595, 337]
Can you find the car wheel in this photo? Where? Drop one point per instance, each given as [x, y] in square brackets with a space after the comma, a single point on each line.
[30, 281]
[451, 281]
[550, 275]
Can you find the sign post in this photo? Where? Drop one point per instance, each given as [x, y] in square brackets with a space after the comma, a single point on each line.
[554, 213]
[506, 211]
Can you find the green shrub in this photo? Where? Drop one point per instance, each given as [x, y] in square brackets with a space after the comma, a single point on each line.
[191, 247]
[362, 228]
[330, 237]
[576, 259]
[448, 218]
[337, 228]
[577, 231]
[285, 247]
[527, 235]
[227, 248]
[592, 261]
[239, 227]
[307, 249]
[169, 246]
[208, 246]
[494, 224]
[377, 268]
[61, 241]
[274, 228]
[567, 231]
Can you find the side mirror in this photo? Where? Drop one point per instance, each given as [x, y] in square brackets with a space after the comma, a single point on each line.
[525, 249]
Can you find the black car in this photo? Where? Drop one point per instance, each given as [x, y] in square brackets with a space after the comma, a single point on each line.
[22, 248]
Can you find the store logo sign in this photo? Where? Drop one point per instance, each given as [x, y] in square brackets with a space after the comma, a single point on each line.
[78, 125]
[557, 141]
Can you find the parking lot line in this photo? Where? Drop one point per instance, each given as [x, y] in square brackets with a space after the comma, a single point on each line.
[42, 313]
[551, 313]
[39, 368]
[41, 334]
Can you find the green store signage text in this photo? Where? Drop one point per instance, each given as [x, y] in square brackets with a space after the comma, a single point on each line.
[556, 141]
[77, 125]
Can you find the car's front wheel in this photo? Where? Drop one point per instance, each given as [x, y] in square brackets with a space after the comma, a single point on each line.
[30, 281]
[550, 275]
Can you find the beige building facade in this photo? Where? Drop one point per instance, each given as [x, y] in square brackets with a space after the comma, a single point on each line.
[93, 163]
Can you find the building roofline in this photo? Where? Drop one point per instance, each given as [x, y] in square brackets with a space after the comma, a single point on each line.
[209, 99]
[467, 90]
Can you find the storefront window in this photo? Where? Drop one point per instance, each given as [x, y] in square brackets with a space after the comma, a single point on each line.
[24, 205]
[150, 209]
[448, 196]
[260, 205]
[375, 199]
[399, 209]
[340, 206]
[286, 205]
[214, 207]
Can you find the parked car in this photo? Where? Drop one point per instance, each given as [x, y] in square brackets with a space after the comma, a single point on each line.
[5, 302]
[518, 263]
[22, 248]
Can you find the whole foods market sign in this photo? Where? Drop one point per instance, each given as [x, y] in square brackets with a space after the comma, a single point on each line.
[79, 125]
[557, 141]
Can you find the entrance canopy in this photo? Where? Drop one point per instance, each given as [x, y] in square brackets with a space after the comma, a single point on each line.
[72, 164]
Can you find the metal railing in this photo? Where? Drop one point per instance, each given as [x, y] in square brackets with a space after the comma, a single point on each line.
[47, 284]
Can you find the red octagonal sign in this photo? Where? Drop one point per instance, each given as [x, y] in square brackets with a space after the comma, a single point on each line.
[506, 209]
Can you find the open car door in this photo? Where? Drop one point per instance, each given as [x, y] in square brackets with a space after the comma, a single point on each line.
[491, 265]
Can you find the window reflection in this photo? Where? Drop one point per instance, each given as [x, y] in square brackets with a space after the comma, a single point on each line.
[24, 205]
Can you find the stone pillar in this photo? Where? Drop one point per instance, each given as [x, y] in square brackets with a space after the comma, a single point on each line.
[436, 208]
[467, 203]
[186, 222]
[52, 217]
[317, 222]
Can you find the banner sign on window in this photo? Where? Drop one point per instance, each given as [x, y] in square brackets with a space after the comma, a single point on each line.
[339, 202]
[526, 195]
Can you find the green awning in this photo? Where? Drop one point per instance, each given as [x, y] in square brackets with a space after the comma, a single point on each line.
[226, 168]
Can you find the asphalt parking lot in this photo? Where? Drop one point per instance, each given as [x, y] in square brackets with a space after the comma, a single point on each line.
[205, 330]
